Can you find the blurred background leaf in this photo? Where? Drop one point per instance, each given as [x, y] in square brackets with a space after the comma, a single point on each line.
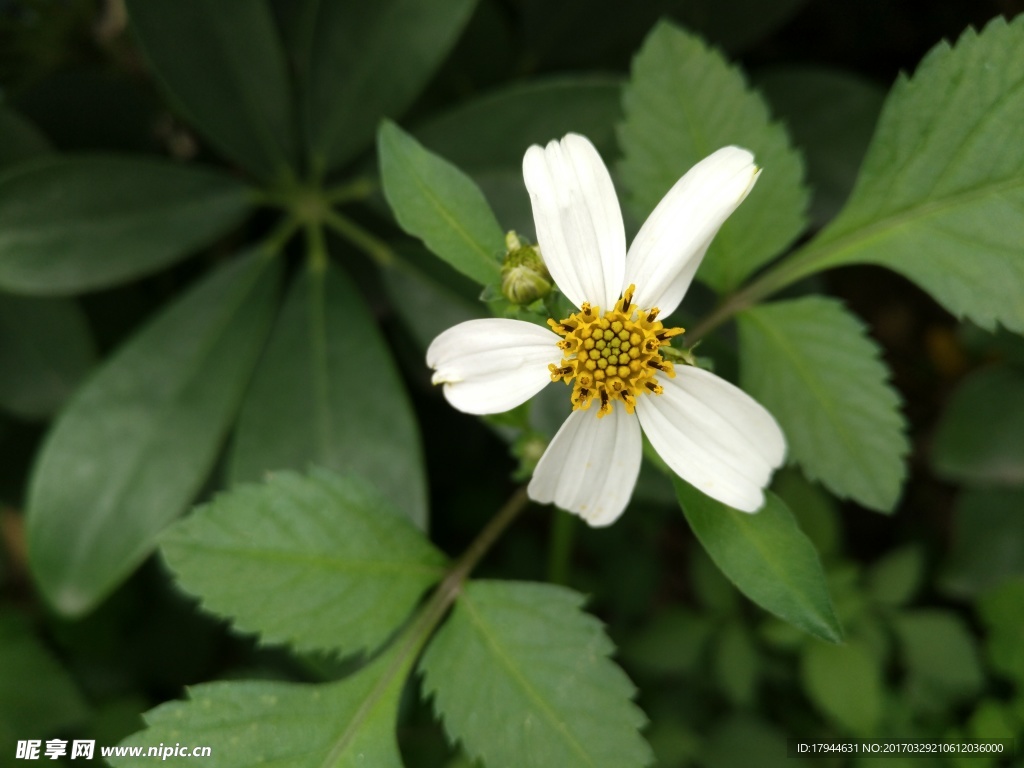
[325, 387]
[386, 52]
[73, 224]
[978, 440]
[232, 80]
[46, 349]
[138, 440]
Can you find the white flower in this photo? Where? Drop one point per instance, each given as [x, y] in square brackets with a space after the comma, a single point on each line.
[709, 432]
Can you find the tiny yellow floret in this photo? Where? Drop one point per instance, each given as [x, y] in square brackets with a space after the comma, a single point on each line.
[614, 356]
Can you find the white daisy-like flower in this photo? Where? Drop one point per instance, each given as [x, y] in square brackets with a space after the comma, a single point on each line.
[712, 434]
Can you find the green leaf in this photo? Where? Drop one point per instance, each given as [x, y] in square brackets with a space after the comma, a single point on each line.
[736, 664]
[731, 743]
[1002, 611]
[369, 61]
[19, 139]
[814, 509]
[987, 540]
[327, 392]
[811, 364]
[682, 103]
[138, 439]
[494, 130]
[231, 78]
[831, 115]
[37, 696]
[45, 351]
[671, 644]
[521, 677]
[73, 224]
[436, 202]
[319, 562]
[940, 198]
[766, 556]
[845, 683]
[348, 724]
[978, 439]
[426, 305]
[487, 137]
[940, 654]
[896, 577]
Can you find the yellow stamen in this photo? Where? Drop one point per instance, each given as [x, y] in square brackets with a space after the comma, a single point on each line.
[614, 356]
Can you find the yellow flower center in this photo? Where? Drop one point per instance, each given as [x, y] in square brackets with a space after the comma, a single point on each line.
[614, 356]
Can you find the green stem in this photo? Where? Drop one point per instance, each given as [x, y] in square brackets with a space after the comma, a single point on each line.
[369, 243]
[563, 529]
[416, 634]
[451, 586]
[280, 235]
[787, 272]
[356, 189]
[317, 247]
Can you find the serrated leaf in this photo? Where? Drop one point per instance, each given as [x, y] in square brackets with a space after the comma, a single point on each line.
[368, 61]
[137, 440]
[683, 102]
[521, 677]
[45, 351]
[436, 202]
[978, 439]
[766, 556]
[348, 724]
[811, 364]
[327, 393]
[940, 198]
[71, 224]
[230, 80]
[845, 682]
[319, 562]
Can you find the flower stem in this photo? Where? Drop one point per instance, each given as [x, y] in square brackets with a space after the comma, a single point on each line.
[369, 243]
[563, 529]
[431, 613]
[783, 274]
[317, 257]
[274, 242]
[355, 189]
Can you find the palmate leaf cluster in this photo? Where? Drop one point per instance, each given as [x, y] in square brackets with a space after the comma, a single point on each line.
[266, 364]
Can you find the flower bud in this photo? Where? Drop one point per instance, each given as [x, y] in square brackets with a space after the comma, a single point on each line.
[524, 278]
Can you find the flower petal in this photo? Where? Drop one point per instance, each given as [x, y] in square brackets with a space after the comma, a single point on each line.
[578, 220]
[492, 365]
[590, 467]
[714, 435]
[671, 244]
